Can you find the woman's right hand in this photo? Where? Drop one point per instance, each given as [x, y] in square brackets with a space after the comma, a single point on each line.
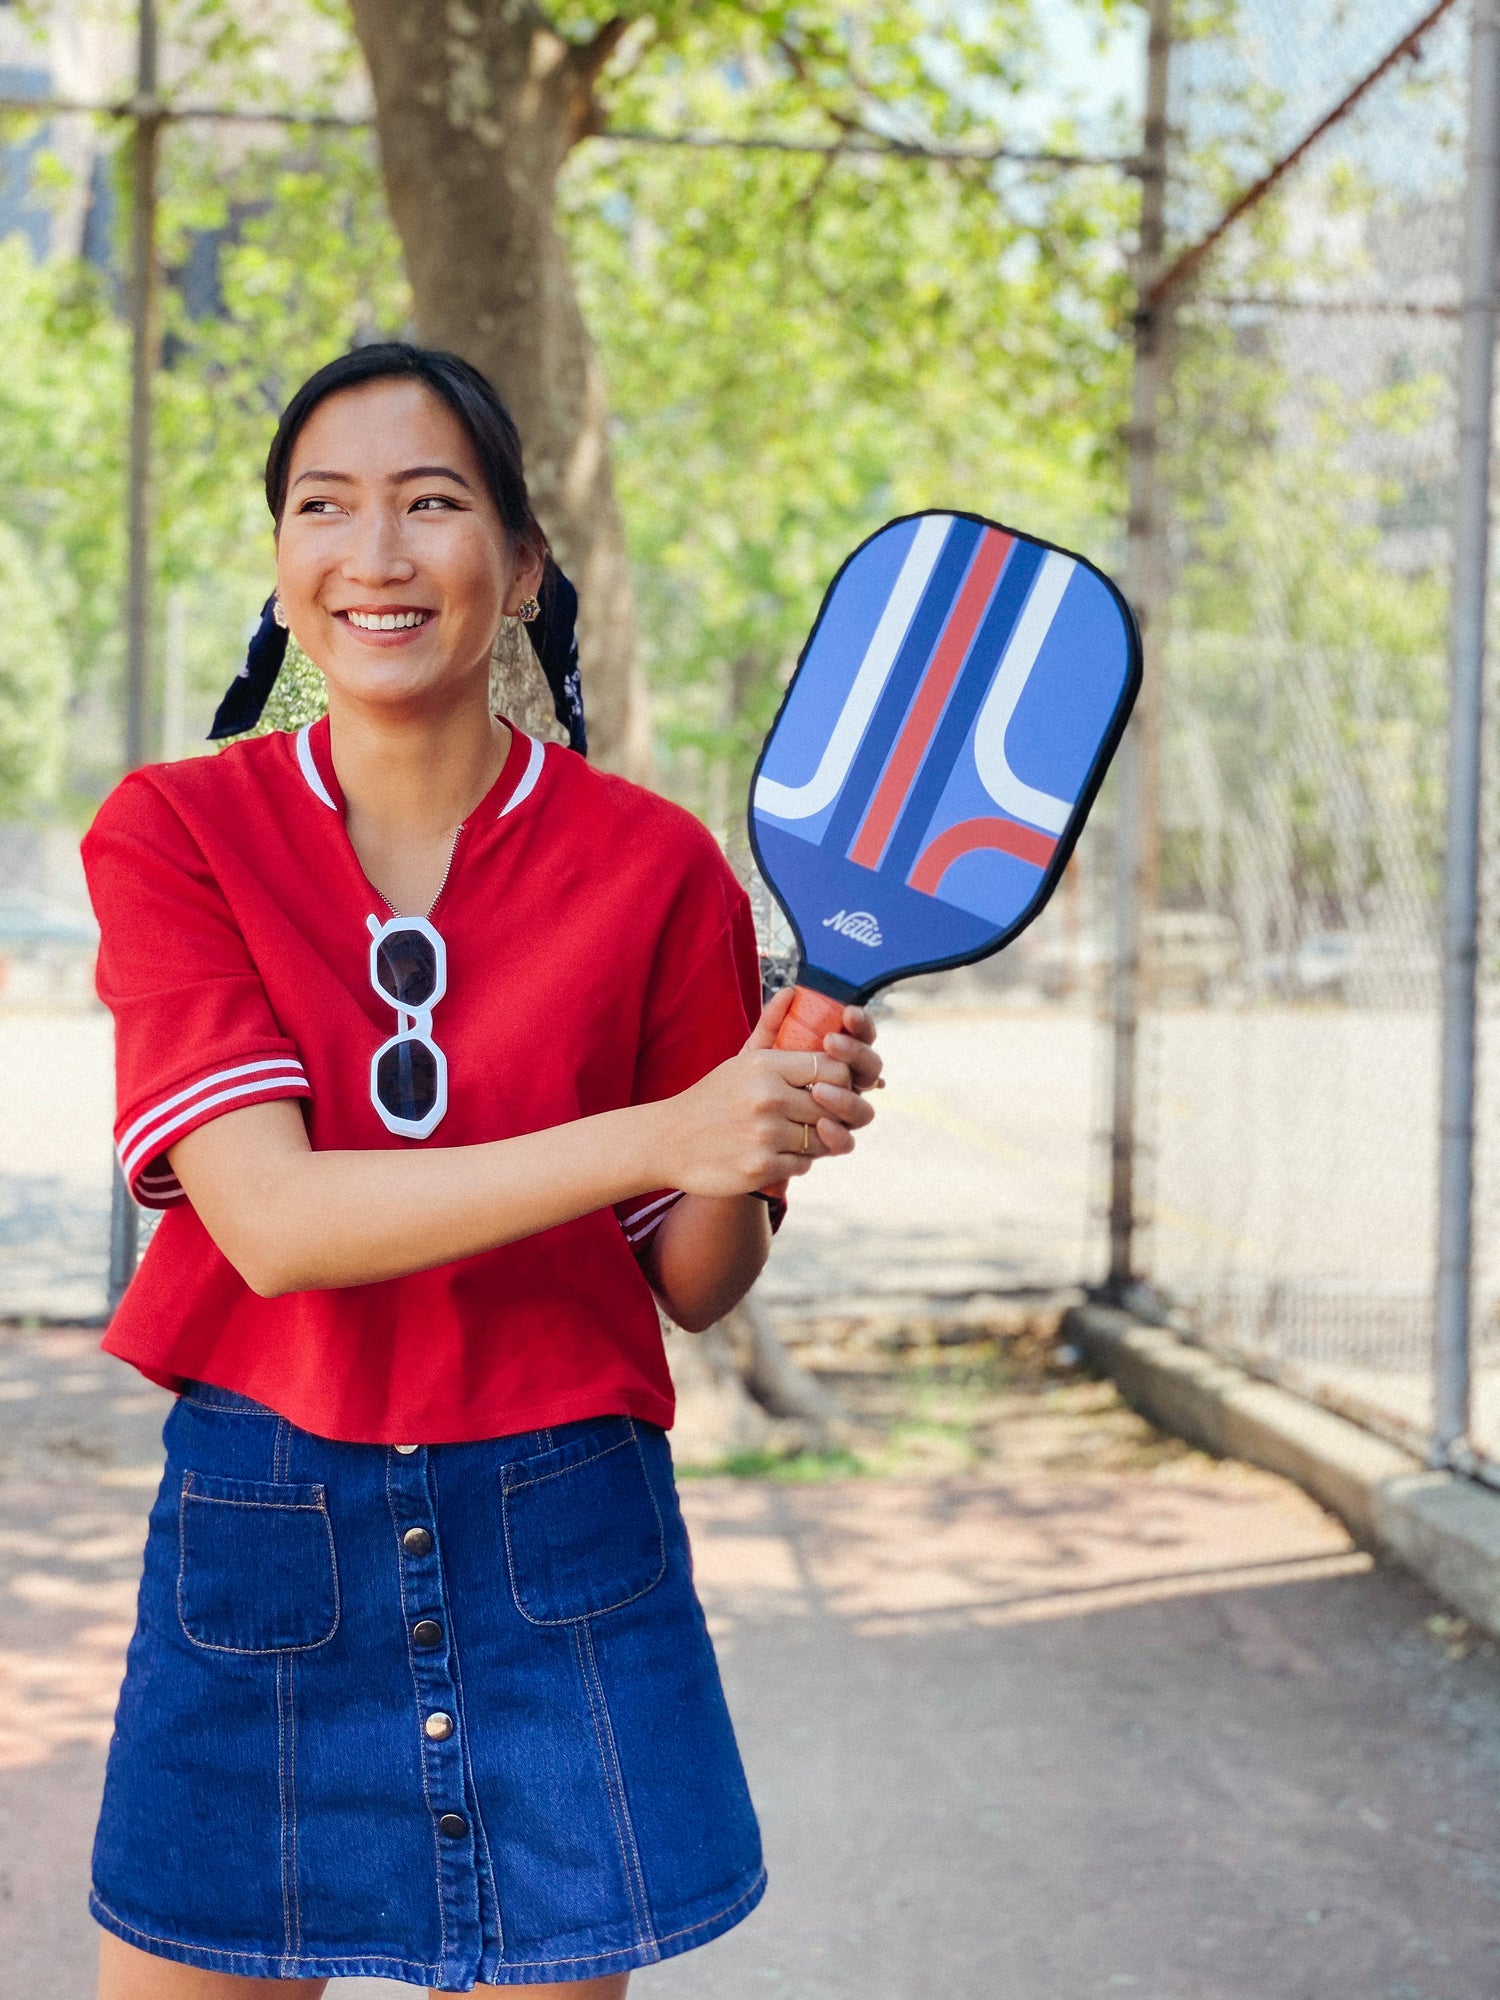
[764, 1115]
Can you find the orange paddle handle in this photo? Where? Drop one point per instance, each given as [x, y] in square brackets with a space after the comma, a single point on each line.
[810, 1017]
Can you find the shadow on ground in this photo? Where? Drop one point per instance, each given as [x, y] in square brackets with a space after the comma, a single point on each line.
[1155, 1731]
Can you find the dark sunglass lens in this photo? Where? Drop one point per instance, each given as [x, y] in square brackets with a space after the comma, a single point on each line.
[406, 966]
[406, 1079]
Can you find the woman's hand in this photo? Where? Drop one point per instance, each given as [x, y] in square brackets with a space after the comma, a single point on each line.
[855, 1048]
[752, 1123]
[768, 1113]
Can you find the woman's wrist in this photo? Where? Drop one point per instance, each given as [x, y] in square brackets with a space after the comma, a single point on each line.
[642, 1139]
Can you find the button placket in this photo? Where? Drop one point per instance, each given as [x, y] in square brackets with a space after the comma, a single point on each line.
[425, 1612]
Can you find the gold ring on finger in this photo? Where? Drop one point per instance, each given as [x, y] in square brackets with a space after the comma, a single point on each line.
[807, 1138]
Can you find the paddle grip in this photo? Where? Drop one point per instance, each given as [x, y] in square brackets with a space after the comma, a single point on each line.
[811, 1016]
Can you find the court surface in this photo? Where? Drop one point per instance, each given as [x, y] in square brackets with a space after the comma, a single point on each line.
[1160, 1735]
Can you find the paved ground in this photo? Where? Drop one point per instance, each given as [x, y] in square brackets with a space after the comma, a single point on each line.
[1160, 1734]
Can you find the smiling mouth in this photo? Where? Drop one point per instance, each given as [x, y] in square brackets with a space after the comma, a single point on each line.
[386, 621]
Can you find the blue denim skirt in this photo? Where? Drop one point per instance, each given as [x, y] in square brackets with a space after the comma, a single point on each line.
[444, 1714]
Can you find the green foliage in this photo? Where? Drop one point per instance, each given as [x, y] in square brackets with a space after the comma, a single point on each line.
[797, 349]
[306, 264]
[300, 696]
[798, 1468]
[794, 349]
[62, 402]
[34, 678]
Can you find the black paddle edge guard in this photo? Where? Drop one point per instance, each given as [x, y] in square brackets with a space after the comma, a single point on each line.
[1067, 840]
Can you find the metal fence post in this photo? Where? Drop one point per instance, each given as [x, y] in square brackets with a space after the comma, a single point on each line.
[1451, 1326]
[1134, 838]
[124, 1217]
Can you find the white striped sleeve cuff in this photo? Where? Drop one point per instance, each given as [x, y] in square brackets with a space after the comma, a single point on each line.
[143, 1144]
[644, 1221]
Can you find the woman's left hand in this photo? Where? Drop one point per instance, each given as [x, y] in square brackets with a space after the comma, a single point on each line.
[842, 1110]
[707, 1253]
[856, 1048]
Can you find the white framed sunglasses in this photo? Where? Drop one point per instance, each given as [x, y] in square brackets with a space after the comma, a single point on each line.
[409, 1073]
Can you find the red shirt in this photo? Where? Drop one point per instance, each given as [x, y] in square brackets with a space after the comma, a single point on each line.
[600, 953]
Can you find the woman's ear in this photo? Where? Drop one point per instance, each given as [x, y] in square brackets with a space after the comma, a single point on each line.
[526, 581]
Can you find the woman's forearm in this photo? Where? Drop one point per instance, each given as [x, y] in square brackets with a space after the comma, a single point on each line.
[706, 1255]
[293, 1220]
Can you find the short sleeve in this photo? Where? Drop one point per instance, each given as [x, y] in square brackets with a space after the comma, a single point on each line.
[704, 999]
[195, 1035]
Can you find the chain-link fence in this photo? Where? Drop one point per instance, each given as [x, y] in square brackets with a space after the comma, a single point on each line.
[1291, 1055]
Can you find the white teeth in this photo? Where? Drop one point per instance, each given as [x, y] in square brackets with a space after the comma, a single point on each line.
[386, 621]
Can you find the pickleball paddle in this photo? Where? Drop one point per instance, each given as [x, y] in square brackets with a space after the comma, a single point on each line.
[936, 753]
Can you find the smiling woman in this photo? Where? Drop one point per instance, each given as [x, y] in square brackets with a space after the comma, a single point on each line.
[439, 1051]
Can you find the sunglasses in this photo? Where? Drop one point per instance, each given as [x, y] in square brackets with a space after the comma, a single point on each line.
[409, 1073]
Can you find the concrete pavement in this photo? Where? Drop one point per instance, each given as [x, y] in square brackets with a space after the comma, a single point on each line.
[1163, 1735]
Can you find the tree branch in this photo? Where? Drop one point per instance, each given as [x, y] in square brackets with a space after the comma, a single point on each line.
[587, 59]
[851, 124]
[585, 65]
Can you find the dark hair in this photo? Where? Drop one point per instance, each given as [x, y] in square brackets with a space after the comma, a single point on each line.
[491, 428]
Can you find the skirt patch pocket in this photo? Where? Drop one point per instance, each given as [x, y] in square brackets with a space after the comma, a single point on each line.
[256, 1571]
[582, 1532]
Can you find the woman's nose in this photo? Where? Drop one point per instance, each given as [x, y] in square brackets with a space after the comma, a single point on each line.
[377, 553]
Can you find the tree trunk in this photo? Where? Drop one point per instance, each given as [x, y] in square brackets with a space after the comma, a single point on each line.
[477, 103]
[740, 1393]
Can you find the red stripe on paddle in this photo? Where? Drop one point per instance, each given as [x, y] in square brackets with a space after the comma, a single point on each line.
[936, 684]
[1008, 836]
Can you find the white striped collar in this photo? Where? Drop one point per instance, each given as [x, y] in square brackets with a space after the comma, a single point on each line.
[310, 769]
[535, 758]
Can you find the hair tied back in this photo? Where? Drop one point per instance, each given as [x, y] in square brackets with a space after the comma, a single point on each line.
[554, 640]
[250, 690]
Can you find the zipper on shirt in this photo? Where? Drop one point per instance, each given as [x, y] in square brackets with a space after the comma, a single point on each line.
[458, 834]
[452, 852]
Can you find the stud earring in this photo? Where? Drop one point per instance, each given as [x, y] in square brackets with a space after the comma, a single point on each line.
[528, 610]
[279, 615]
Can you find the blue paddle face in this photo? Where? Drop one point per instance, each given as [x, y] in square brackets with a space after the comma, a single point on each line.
[939, 747]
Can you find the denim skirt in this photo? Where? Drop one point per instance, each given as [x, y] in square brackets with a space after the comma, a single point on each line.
[439, 1714]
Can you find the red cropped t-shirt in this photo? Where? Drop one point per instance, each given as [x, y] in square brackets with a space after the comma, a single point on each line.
[600, 954]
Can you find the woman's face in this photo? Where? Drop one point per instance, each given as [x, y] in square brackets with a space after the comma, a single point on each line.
[392, 564]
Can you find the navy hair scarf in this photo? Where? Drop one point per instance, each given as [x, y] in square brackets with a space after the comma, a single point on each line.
[554, 640]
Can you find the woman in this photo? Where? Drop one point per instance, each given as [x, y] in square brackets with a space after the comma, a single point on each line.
[434, 1045]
